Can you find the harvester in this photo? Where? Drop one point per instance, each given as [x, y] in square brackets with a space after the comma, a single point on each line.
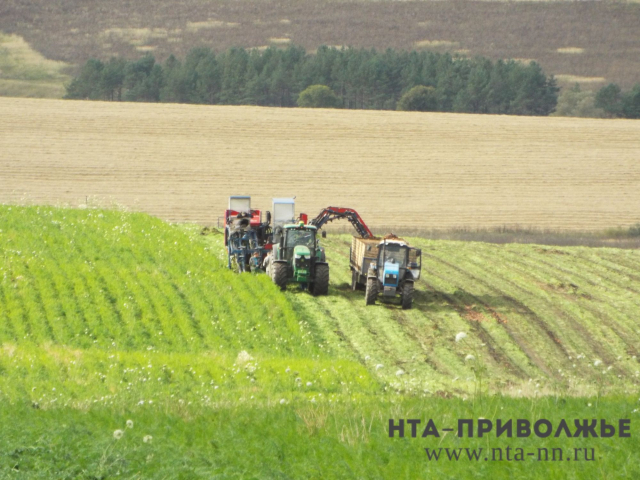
[246, 236]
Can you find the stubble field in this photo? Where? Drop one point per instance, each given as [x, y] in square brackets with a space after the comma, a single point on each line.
[408, 170]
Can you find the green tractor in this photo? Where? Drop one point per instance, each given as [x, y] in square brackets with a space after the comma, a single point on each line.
[298, 258]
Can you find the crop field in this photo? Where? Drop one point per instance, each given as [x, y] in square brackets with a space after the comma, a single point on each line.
[397, 169]
[108, 317]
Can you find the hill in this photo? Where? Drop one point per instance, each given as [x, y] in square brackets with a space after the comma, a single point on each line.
[587, 42]
[108, 316]
[398, 169]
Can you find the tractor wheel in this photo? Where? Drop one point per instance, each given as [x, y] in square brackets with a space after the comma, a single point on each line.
[407, 295]
[321, 282]
[354, 280]
[279, 274]
[372, 291]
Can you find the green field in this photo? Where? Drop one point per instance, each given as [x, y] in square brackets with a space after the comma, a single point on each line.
[107, 316]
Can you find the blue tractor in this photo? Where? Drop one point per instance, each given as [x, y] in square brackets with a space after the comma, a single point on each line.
[388, 267]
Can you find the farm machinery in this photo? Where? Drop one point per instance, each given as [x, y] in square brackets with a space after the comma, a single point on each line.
[246, 236]
[290, 250]
[298, 258]
[249, 240]
[388, 266]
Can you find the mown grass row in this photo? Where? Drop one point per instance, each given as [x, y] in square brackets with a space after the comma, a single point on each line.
[539, 320]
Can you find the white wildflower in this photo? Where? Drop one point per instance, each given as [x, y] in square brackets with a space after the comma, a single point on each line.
[597, 363]
[129, 423]
[367, 358]
[287, 370]
[118, 434]
[461, 336]
[147, 439]
[379, 366]
[243, 357]
[309, 384]
[469, 358]
[282, 401]
[399, 372]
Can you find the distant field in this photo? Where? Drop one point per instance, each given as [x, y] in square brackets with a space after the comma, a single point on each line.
[586, 42]
[408, 170]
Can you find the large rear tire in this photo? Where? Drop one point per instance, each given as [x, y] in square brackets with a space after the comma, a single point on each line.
[407, 295]
[371, 292]
[321, 282]
[279, 275]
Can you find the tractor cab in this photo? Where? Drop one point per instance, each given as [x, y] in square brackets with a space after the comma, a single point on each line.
[297, 244]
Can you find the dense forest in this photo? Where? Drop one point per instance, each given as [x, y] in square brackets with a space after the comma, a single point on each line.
[359, 78]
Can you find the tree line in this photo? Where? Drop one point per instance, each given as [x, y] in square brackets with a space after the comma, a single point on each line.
[617, 103]
[359, 79]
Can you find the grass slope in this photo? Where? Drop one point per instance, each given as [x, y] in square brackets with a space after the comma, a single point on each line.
[107, 316]
[26, 73]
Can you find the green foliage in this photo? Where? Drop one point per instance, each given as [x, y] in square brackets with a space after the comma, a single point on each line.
[609, 98]
[576, 103]
[419, 99]
[360, 78]
[631, 103]
[318, 96]
[618, 103]
[87, 85]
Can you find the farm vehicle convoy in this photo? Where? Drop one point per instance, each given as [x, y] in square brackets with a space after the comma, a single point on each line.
[288, 249]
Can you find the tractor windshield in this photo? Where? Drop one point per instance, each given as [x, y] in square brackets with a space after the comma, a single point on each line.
[301, 237]
[396, 254]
